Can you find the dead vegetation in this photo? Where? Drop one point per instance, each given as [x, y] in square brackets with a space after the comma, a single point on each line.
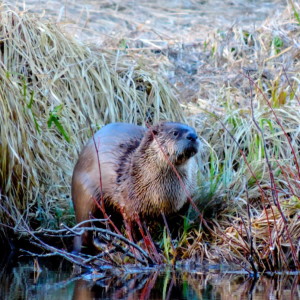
[53, 90]
[246, 110]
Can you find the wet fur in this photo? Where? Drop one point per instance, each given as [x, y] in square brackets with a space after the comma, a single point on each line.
[136, 175]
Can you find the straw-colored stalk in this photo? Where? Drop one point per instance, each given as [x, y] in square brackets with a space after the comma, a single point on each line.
[53, 90]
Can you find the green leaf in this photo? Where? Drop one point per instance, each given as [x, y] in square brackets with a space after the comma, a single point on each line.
[54, 118]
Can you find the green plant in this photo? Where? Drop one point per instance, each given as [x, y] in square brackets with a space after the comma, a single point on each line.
[54, 117]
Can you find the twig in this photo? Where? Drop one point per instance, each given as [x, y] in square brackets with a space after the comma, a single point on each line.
[250, 238]
[273, 185]
[123, 239]
[288, 80]
[148, 241]
[102, 204]
[252, 82]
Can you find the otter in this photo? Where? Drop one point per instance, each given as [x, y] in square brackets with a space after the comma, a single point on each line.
[139, 170]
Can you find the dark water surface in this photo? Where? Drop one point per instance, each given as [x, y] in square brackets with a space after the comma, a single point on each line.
[58, 280]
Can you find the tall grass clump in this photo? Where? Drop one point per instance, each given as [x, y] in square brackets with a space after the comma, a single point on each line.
[249, 188]
[53, 90]
[249, 185]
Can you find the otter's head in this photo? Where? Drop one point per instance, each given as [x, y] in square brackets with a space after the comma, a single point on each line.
[178, 141]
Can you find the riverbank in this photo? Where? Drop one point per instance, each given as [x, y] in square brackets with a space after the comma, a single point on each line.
[56, 91]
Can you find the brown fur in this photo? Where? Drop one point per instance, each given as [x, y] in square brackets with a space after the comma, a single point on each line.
[136, 176]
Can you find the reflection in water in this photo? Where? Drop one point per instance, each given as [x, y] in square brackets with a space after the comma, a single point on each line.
[57, 280]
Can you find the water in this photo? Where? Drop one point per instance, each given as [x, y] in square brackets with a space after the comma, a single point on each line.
[58, 280]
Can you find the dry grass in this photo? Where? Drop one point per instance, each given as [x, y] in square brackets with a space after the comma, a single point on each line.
[52, 87]
[245, 146]
[245, 152]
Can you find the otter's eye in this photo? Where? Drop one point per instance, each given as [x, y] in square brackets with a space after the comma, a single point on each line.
[175, 133]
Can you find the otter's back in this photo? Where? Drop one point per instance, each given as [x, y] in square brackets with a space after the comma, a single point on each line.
[113, 143]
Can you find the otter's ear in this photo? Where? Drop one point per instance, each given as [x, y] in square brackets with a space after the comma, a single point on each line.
[154, 129]
[152, 132]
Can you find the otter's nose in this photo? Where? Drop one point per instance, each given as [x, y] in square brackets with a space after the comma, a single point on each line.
[191, 136]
